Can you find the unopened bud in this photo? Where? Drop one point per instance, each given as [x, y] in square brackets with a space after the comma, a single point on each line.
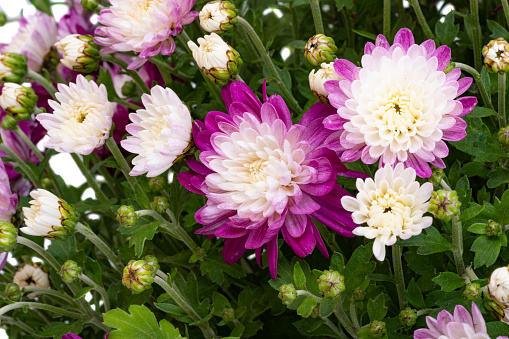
[138, 276]
[437, 175]
[408, 317]
[228, 314]
[160, 204]
[287, 293]
[320, 49]
[496, 308]
[493, 229]
[498, 285]
[331, 283]
[69, 271]
[496, 56]
[472, 291]
[377, 328]
[8, 236]
[152, 262]
[503, 136]
[12, 292]
[317, 79]
[9, 123]
[13, 67]
[315, 312]
[18, 101]
[444, 204]
[89, 5]
[81, 53]
[218, 16]
[358, 294]
[450, 67]
[126, 216]
[156, 184]
[129, 89]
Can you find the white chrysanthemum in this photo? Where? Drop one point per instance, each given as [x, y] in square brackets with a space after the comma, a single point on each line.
[161, 132]
[81, 122]
[9, 96]
[317, 79]
[218, 16]
[392, 206]
[499, 284]
[32, 275]
[213, 52]
[80, 53]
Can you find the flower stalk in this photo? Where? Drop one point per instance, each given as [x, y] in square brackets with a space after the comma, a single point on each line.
[399, 278]
[505, 5]
[317, 16]
[457, 244]
[387, 18]
[340, 313]
[90, 179]
[502, 118]
[41, 306]
[36, 77]
[28, 171]
[422, 20]
[476, 32]
[41, 251]
[480, 84]
[99, 289]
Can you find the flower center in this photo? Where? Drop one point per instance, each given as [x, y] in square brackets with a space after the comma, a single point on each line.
[388, 209]
[398, 114]
[80, 112]
[144, 5]
[257, 170]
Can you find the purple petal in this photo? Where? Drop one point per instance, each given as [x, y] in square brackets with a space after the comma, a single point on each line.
[317, 111]
[295, 224]
[304, 244]
[462, 315]
[281, 109]
[478, 320]
[468, 104]
[369, 47]
[272, 257]
[306, 205]
[464, 84]
[443, 54]
[429, 46]
[71, 336]
[185, 179]
[346, 69]
[233, 249]
[3, 259]
[405, 38]
[381, 41]
[420, 166]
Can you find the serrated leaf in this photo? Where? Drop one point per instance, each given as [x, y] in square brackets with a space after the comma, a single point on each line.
[140, 235]
[358, 267]
[471, 212]
[497, 328]
[141, 323]
[497, 177]
[307, 306]
[344, 3]
[481, 112]
[58, 329]
[238, 330]
[175, 311]
[299, 277]
[81, 293]
[478, 228]
[93, 270]
[486, 250]
[414, 296]
[376, 308]
[449, 281]
[62, 250]
[497, 31]
[214, 267]
[502, 209]
[337, 262]
[447, 31]
[429, 243]
[327, 306]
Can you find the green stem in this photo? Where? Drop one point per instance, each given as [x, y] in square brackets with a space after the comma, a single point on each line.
[506, 10]
[287, 95]
[28, 171]
[127, 104]
[175, 294]
[41, 306]
[476, 33]
[99, 289]
[457, 244]
[317, 16]
[387, 18]
[141, 197]
[107, 177]
[103, 247]
[19, 324]
[41, 251]
[48, 291]
[421, 18]
[501, 100]
[399, 278]
[334, 328]
[480, 84]
[343, 319]
[47, 84]
[133, 74]
[353, 314]
[90, 179]
[163, 66]
[425, 311]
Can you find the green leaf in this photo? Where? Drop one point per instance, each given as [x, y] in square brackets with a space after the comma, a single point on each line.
[344, 3]
[327, 306]
[214, 267]
[219, 302]
[82, 292]
[58, 329]
[449, 281]
[376, 308]
[63, 250]
[105, 79]
[299, 44]
[486, 79]
[141, 323]
[497, 31]
[486, 250]
[473, 168]
[481, 112]
[447, 31]
[299, 277]
[138, 235]
[471, 212]
[93, 270]
[43, 6]
[414, 296]
[365, 34]
[307, 306]
[175, 311]
[429, 243]
[478, 228]
[497, 177]
[238, 330]
[502, 209]
[358, 267]
[497, 328]
[337, 262]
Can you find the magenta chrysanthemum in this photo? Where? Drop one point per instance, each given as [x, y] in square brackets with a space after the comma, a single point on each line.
[400, 106]
[145, 27]
[262, 175]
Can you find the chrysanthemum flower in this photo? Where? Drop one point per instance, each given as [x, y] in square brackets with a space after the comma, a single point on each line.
[36, 36]
[32, 275]
[161, 133]
[145, 27]
[499, 284]
[400, 106]
[81, 121]
[318, 78]
[392, 206]
[8, 200]
[460, 326]
[262, 175]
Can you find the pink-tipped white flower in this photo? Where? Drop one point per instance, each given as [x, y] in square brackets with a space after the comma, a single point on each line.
[317, 79]
[145, 27]
[81, 122]
[35, 38]
[161, 133]
[400, 106]
[392, 206]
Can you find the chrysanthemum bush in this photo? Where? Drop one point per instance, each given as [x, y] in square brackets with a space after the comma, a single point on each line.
[259, 168]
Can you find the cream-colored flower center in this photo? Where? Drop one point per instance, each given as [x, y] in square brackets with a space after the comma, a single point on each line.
[144, 5]
[388, 209]
[80, 111]
[399, 114]
[257, 170]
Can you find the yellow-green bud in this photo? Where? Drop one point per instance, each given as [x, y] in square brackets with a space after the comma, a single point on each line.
[377, 328]
[18, 101]
[315, 312]
[228, 314]
[89, 5]
[408, 316]
[496, 56]
[331, 283]
[9, 123]
[218, 16]
[437, 175]
[80, 53]
[444, 204]
[472, 291]
[450, 67]
[503, 136]
[160, 204]
[69, 271]
[287, 293]
[319, 49]
[152, 262]
[12, 292]
[13, 67]
[156, 184]
[496, 308]
[3, 19]
[126, 216]
[493, 229]
[129, 89]
[138, 276]
[358, 294]
[8, 236]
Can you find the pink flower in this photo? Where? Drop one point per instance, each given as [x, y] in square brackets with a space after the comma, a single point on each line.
[400, 106]
[263, 175]
[8, 200]
[145, 27]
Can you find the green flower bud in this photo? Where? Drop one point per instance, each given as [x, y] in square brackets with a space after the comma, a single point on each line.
[377, 328]
[156, 184]
[503, 136]
[450, 67]
[13, 67]
[9, 123]
[496, 308]
[496, 56]
[89, 5]
[287, 293]
[493, 229]
[218, 16]
[3, 19]
[408, 317]
[228, 314]
[12, 292]
[358, 294]
[69, 271]
[129, 89]
[331, 283]
[160, 204]
[138, 276]
[51, 60]
[8, 236]
[444, 204]
[152, 262]
[315, 313]
[472, 291]
[81, 53]
[319, 49]
[437, 175]
[18, 101]
[126, 216]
